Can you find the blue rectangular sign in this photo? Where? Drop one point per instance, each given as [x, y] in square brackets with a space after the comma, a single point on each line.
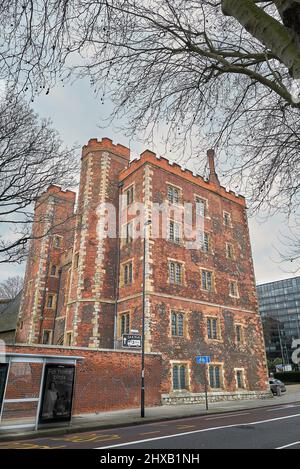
[202, 359]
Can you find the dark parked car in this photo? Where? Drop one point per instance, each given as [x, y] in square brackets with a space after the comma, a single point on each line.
[276, 386]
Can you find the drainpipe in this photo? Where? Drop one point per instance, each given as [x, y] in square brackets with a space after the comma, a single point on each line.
[120, 185]
[56, 306]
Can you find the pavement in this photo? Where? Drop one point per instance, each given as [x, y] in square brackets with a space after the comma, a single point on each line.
[131, 417]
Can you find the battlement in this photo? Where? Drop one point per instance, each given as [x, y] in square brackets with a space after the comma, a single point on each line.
[108, 145]
[163, 163]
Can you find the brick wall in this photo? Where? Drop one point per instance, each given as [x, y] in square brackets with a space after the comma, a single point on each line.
[105, 379]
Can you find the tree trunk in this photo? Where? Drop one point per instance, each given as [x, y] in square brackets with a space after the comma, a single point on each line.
[270, 32]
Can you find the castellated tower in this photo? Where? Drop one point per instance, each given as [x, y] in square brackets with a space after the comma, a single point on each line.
[53, 235]
[91, 303]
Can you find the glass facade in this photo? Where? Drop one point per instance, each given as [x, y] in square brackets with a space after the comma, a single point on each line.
[279, 306]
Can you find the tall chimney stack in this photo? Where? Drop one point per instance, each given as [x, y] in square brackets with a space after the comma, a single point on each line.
[212, 172]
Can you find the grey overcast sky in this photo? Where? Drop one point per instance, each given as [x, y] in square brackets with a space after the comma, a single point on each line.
[76, 114]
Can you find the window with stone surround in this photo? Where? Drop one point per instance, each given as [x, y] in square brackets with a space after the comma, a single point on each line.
[69, 337]
[124, 323]
[174, 234]
[240, 381]
[177, 323]
[227, 219]
[173, 194]
[215, 376]
[180, 376]
[127, 273]
[53, 270]
[129, 195]
[204, 238]
[57, 241]
[229, 251]
[233, 289]
[50, 301]
[128, 232]
[201, 206]
[239, 334]
[213, 328]
[176, 273]
[47, 336]
[207, 280]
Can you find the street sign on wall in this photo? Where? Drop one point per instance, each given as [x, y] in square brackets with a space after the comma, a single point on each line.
[202, 359]
[131, 341]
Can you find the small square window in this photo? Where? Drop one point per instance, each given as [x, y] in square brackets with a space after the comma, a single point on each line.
[53, 270]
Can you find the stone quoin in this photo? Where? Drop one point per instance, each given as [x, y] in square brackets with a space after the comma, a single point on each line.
[83, 289]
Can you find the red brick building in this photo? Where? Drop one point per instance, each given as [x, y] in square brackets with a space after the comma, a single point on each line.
[83, 284]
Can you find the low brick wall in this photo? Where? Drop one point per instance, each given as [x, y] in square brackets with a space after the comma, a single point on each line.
[105, 379]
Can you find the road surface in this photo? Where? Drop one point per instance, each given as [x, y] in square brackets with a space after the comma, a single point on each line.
[269, 427]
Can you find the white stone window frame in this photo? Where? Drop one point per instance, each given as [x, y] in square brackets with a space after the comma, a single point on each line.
[222, 376]
[242, 341]
[182, 263]
[244, 380]
[213, 290]
[53, 304]
[50, 336]
[209, 235]
[174, 186]
[122, 273]
[124, 241]
[119, 322]
[227, 244]
[229, 225]
[68, 334]
[179, 224]
[125, 191]
[219, 327]
[184, 323]
[234, 282]
[206, 210]
[54, 237]
[187, 364]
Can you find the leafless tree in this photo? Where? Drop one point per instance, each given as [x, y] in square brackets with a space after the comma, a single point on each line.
[10, 287]
[31, 158]
[218, 73]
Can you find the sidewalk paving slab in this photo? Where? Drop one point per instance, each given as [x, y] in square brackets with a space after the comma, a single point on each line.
[129, 417]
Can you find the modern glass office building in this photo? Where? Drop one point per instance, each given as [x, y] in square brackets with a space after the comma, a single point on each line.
[279, 305]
